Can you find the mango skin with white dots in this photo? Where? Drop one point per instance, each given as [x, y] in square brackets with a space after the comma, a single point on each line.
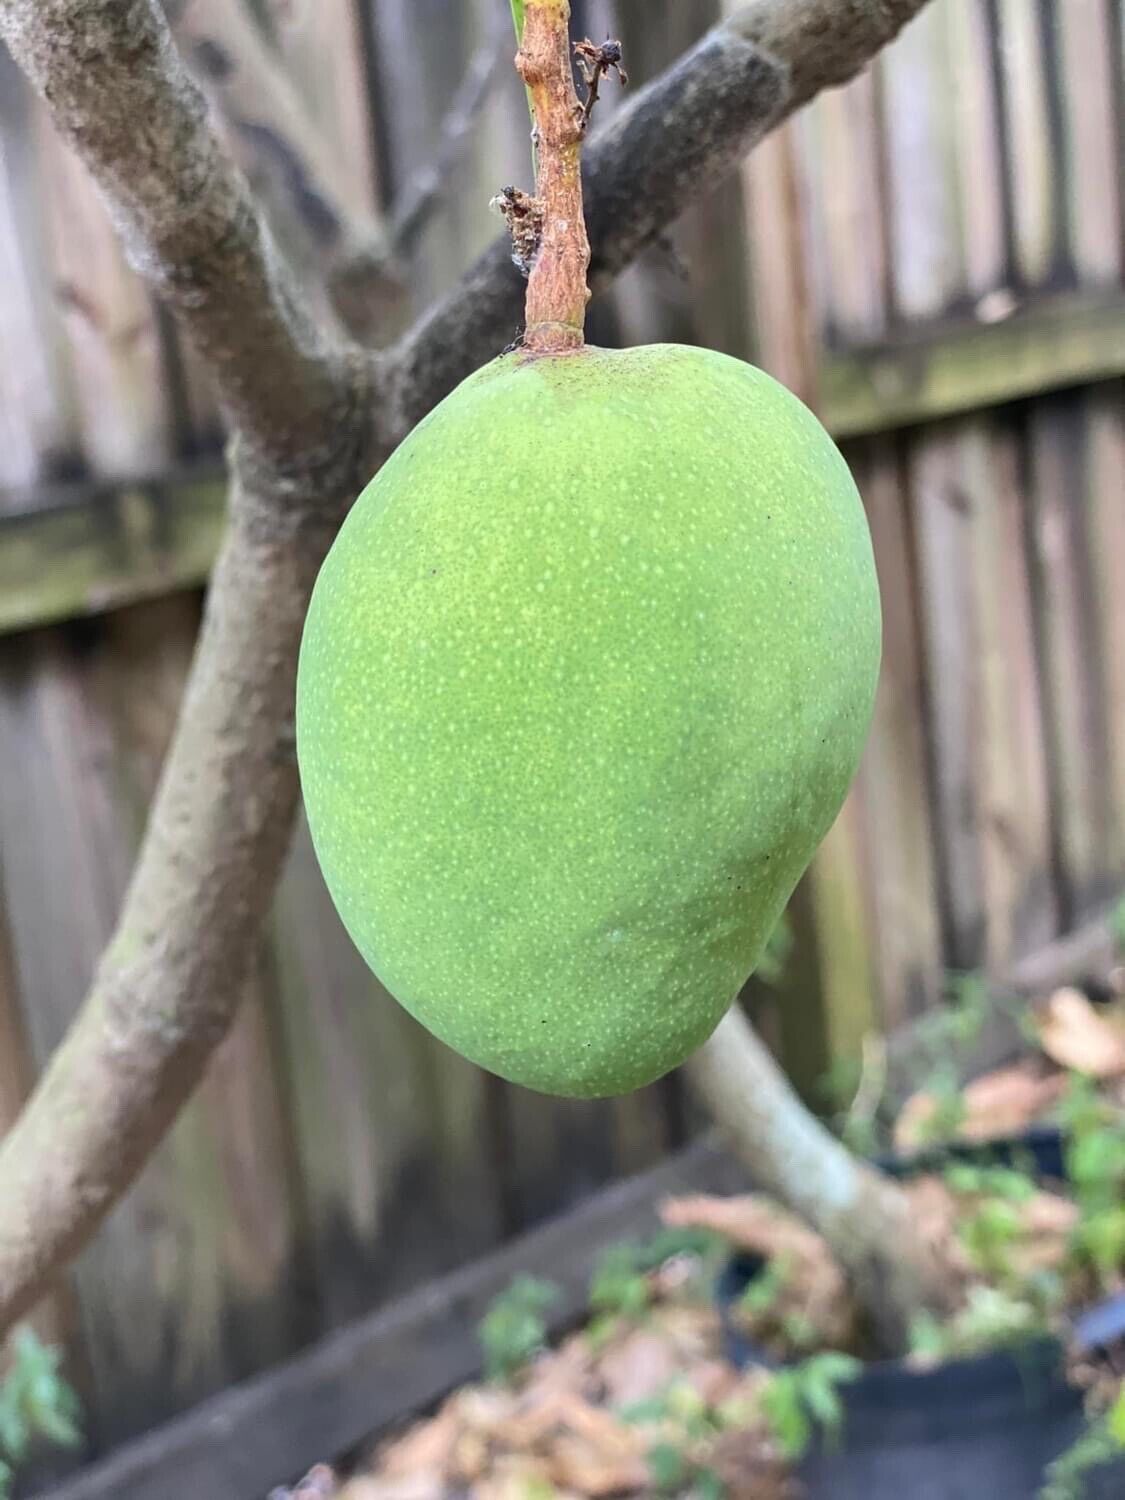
[584, 680]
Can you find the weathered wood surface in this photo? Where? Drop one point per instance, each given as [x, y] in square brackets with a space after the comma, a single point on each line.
[94, 547]
[1065, 340]
[932, 258]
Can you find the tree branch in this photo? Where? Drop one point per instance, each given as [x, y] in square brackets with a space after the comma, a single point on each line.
[309, 434]
[859, 1212]
[419, 197]
[672, 143]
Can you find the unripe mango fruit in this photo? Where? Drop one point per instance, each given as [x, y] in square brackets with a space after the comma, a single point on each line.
[583, 683]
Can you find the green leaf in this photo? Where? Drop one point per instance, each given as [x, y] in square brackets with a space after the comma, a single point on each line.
[775, 957]
[666, 1244]
[784, 1410]
[1116, 1418]
[838, 1367]
[517, 19]
[618, 1285]
[708, 1485]
[637, 1413]
[513, 1328]
[765, 1288]
[666, 1466]
[6, 1477]
[1117, 924]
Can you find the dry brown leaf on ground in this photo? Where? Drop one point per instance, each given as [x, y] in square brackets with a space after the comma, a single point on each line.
[691, 1328]
[914, 1125]
[1047, 1221]
[750, 1467]
[570, 1367]
[1003, 1102]
[933, 1211]
[1074, 1035]
[518, 1476]
[636, 1367]
[1008, 1100]
[424, 1485]
[713, 1380]
[814, 1286]
[578, 1464]
[751, 1222]
[427, 1445]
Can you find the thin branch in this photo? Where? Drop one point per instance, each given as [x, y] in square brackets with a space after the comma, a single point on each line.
[673, 142]
[368, 286]
[861, 1214]
[169, 982]
[411, 213]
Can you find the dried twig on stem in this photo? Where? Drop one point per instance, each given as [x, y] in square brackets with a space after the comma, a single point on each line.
[596, 63]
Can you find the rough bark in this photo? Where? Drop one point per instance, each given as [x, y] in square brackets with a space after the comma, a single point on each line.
[311, 421]
[860, 1213]
[556, 287]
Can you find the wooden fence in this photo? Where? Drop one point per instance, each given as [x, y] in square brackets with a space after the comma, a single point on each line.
[933, 258]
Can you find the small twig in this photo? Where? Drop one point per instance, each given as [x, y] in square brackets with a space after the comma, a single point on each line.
[872, 1085]
[410, 215]
[595, 64]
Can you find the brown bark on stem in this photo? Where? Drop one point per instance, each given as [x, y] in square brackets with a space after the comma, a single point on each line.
[557, 292]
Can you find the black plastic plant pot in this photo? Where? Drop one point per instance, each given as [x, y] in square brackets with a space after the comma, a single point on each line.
[984, 1428]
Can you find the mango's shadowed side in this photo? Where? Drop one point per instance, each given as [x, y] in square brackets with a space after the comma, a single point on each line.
[584, 680]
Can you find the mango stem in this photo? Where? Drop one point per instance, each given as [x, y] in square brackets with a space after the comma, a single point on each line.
[557, 292]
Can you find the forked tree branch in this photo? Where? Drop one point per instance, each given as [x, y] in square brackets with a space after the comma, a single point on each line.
[311, 420]
[305, 440]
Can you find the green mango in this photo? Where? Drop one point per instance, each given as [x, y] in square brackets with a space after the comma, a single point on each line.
[583, 683]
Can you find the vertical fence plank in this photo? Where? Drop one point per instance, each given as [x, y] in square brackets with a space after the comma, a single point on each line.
[171, 1289]
[390, 1127]
[37, 419]
[1105, 464]
[115, 342]
[1092, 173]
[991, 778]
[322, 44]
[1071, 650]
[924, 209]
[907, 936]
[837, 141]
[779, 283]
[1013, 814]
[1032, 165]
[974, 116]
